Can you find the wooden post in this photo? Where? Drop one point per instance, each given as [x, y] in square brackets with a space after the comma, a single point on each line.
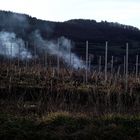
[86, 61]
[126, 74]
[106, 49]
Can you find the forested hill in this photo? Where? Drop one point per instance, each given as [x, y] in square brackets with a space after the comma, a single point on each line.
[78, 30]
[97, 31]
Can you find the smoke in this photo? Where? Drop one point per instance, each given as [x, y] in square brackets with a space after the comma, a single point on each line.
[11, 46]
[63, 51]
[13, 24]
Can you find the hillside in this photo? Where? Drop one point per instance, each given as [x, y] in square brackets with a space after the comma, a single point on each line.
[77, 30]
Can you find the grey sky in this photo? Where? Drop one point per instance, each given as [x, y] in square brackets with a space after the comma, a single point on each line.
[122, 11]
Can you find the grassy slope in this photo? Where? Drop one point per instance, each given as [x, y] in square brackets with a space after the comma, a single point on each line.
[61, 126]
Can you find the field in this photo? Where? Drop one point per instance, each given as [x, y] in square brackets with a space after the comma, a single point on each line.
[39, 103]
[64, 126]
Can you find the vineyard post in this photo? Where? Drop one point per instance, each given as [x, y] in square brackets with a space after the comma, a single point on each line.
[106, 49]
[126, 74]
[86, 61]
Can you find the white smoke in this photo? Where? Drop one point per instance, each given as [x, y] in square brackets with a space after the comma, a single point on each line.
[63, 52]
[11, 46]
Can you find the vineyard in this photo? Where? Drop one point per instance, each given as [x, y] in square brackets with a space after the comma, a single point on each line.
[69, 97]
[72, 80]
[48, 85]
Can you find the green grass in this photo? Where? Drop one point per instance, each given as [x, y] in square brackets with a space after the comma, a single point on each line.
[65, 126]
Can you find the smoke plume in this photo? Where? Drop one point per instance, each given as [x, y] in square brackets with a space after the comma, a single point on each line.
[63, 51]
[11, 46]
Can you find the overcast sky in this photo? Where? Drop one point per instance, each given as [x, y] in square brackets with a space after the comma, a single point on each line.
[122, 11]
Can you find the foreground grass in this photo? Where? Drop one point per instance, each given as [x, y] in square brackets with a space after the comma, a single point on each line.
[64, 126]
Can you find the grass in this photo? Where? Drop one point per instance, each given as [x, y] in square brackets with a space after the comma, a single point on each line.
[28, 94]
[66, 126]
